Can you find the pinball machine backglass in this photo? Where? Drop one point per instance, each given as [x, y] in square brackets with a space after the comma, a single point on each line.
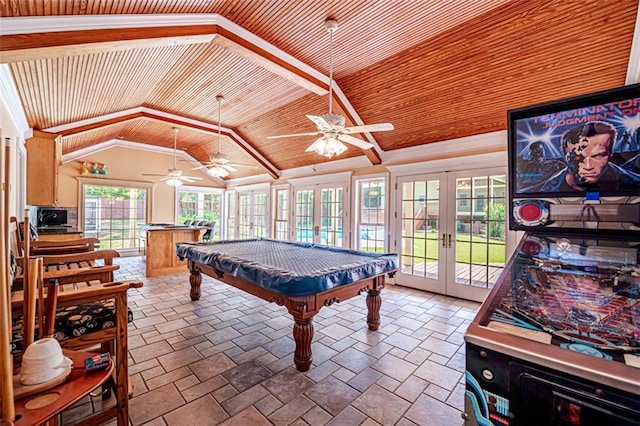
[557, 341]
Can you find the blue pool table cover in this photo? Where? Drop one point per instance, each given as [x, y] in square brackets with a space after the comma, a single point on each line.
[289, 268]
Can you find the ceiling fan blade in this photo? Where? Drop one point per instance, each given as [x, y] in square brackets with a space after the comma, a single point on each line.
[206, 166]
[229, 167]
[154, 174]
[190, 178]
[320, 122]
[368, 128]
[293, 135]
[355, 141]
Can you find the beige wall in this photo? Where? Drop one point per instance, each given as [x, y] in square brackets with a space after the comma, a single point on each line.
[9, 130]
[128, 164]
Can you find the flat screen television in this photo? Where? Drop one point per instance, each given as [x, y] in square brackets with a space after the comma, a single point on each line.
[51, 217]
[584, 148]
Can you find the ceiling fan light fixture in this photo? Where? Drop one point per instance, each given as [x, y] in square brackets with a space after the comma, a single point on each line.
[328, 147]
[217, 171]
[174, 181]
[332, 126]
[218, 159]
[174, 176]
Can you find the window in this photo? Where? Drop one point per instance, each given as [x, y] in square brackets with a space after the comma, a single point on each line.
[200, 205]
[113, 213]
[231, 210]
[371, 214]
[260, 214]
[304, 215]
[281, 209]
[372, 196]
[244, 216]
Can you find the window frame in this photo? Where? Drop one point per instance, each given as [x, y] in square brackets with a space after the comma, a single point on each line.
[91, 181]
[356, 184]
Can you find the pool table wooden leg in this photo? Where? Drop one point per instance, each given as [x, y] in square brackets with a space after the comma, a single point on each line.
[303, 334]
[195, 279]
[374, 301]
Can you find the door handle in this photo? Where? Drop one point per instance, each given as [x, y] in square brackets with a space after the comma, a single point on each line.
[316, 230]
[449, 240]
[444, 244]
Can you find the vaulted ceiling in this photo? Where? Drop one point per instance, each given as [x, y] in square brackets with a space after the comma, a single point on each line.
[101, 71]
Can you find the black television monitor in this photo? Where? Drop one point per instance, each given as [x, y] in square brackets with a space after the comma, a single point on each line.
[575, 152]
[51, 217]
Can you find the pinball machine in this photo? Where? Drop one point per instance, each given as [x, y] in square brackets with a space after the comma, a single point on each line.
[557, 341]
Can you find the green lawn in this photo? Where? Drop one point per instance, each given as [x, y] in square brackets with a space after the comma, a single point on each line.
[469, 249]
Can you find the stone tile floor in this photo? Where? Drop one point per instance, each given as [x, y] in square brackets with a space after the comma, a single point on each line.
[227, 359]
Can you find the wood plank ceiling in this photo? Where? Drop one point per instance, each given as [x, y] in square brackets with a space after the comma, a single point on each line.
[437, 70]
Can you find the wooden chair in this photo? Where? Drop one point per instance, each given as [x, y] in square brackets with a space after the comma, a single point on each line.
[33, 404]
[82, 290]
[71, 272]
[78, 269]
[81, 245]
[82, 267]
[113, 293]
[45, 248]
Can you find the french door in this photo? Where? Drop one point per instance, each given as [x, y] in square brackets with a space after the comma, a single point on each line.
[252, 214]
[451, 231]
[319, 214]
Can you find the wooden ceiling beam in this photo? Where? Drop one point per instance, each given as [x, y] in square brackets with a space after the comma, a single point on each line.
[34, 46]
[244, 145]
[28, 47]
[269, 61]
[98, 124]
[372, 153]
[70, 129]
[373, 156]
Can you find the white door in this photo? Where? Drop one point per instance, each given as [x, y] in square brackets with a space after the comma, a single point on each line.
[252, 214]
[420, 231]
[319, 215]
[452, 232]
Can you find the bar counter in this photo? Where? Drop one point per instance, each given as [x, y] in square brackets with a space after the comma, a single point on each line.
[159, 242]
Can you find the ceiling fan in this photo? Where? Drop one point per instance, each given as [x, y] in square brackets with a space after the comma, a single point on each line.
[219, 164]
[174, 177]
[331, 126]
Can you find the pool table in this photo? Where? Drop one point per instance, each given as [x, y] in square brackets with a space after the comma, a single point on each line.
[302, 277]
